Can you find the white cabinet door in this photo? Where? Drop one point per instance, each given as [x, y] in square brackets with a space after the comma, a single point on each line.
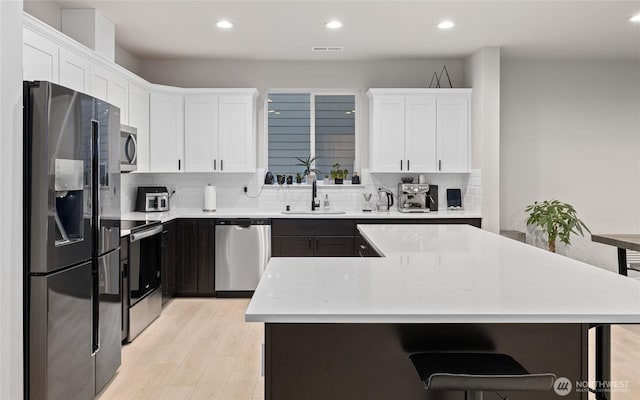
[201, 133]
[99, 85]
[40, 58]
[420, 133]
[118, 95]
[236, 134]
[387, 134]
[139, 118]
[166, 132]
[453, 133]
[74, 71]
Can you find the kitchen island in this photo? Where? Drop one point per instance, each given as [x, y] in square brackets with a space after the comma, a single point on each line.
[343, 328]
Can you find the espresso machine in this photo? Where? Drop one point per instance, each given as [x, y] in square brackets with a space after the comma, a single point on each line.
[417, 197]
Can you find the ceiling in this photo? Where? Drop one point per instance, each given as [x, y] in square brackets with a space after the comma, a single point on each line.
[373, 30]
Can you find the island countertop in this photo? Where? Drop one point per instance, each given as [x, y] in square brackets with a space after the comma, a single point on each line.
[443, 274]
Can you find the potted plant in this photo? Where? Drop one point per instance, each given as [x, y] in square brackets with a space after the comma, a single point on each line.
[309, 172]
[556, 220]
[338, 174]
[298, 178]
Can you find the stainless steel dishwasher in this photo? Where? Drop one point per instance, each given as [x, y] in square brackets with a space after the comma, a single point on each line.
[243, 249]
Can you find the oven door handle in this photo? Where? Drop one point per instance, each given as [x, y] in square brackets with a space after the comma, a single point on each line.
[145, 234]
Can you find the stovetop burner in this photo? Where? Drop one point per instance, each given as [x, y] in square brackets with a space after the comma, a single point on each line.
[137, 226]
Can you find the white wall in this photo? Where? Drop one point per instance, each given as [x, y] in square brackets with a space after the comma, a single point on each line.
[11, 199]
[360, 75]
[482, 73]
[571, 131]
[49, 12]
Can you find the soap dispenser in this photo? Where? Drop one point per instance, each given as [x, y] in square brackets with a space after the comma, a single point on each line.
[326, 201]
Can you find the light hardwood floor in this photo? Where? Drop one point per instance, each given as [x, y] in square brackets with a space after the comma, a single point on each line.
[203, 349]
[196, 349]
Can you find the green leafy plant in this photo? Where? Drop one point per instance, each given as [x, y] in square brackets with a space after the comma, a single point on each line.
[307, 163]
[557, 220]
[338, 173]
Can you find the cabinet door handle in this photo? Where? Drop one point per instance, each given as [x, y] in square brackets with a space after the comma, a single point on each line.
[179, 165]
[400, 165]
[221, 165]
[362, 250]
[317, 244]
[408, 167]
[439, 165]
[215, 164]
[309, 240]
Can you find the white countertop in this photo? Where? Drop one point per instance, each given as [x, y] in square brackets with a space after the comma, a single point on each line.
[257, 213]
[443, 274]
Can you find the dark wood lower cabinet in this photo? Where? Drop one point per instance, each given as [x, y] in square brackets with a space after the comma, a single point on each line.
[336, 237]
[206, 257]
[333, 246]
[292, 246]
[168, 261]
[195, 269]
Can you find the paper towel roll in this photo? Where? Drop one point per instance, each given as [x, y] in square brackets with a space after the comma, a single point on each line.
[209, 198]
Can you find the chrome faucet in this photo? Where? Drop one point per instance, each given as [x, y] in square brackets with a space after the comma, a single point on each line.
[315, 203]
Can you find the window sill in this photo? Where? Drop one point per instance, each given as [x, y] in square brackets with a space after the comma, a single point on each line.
[320, 184]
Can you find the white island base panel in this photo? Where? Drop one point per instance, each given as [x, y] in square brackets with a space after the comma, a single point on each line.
[443, 274]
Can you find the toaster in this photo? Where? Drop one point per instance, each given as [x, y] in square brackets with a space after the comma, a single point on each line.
[152, 199]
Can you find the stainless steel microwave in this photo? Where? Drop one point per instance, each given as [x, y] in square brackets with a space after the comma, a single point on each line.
[128, 148]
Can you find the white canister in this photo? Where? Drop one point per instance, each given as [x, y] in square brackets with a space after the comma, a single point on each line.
[422, 179]
[209, 198]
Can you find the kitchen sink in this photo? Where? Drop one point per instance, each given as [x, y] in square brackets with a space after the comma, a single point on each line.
[317, 212]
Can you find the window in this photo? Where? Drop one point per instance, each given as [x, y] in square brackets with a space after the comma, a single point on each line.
[316, 124]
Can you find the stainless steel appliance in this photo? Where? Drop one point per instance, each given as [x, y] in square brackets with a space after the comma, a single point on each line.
[152, 198]
[413, 197]
[243, 249]
[71, 242]
[128, 148]
[385, 199]
[141, 280]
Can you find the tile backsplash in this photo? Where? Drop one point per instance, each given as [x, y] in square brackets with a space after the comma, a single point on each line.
[189, 190]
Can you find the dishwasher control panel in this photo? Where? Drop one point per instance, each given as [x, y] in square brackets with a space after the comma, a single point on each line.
[243, 221]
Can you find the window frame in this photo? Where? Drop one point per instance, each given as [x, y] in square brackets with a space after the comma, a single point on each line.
[357, 93]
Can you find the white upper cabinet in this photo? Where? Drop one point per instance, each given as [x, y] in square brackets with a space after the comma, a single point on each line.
[139, 118]
[166, 132]
[74, 71]
[220, 124]
[419, 130]
[118, 95]
[453, 133]
[237, 132]
[387, 133]
[420, 133]
[220, 131]
[40, 58]
[108, 86]
[99, 82]
[201, 133]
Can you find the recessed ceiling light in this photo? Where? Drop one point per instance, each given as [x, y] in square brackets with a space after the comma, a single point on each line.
[333, 24]
[446, 25]
[635, 18]
[224, 24]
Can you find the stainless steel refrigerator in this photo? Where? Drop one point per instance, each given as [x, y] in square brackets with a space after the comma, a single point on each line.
[71, 242]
